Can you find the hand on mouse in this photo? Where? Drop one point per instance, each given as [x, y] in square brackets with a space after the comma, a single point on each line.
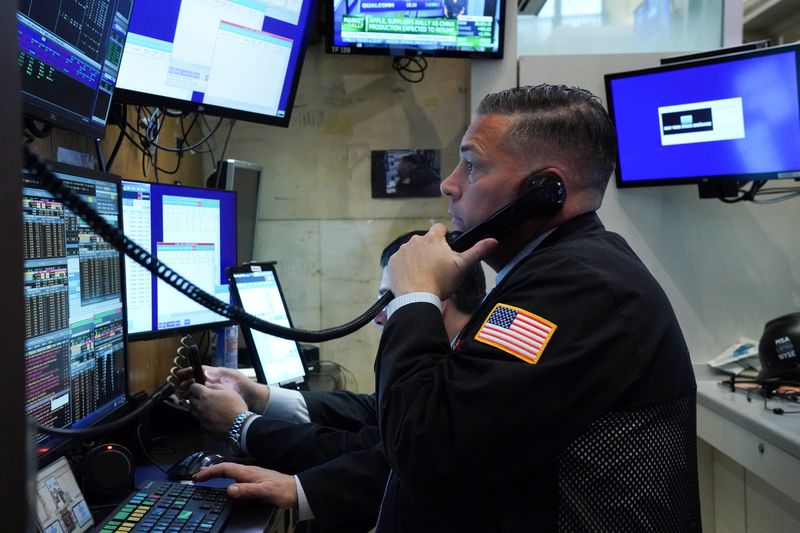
[215, 408]
[254, 483]
[254, 394]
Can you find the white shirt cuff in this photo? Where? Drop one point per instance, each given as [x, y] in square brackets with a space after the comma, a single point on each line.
[412, 298]
[287, 405]
[243, 434]
[303, 508]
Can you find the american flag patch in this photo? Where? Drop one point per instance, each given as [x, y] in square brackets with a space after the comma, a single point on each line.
[516, 331]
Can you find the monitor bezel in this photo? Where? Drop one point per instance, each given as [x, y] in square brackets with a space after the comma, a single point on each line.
[255, 267]
[181, 330]
[712, 60]
[58, 445]
[398, 51]
[128, 96]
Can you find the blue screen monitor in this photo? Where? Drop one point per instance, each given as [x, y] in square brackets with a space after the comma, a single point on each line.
[75, 356]
[733, 117]
[437, 28]
[69, 57]
[192, 231]
[230, 58]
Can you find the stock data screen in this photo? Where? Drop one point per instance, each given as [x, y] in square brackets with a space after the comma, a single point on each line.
[74, 347]
[191, 230]
[69, 57]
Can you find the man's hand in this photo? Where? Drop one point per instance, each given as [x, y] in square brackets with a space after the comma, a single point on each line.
[254, 483]
[255, 395]
[427, 264]
[215, 407]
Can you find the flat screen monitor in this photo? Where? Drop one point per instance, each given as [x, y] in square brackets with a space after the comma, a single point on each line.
[69, 57]
[231, 58]
[277, 361]
[244, 178]
[75, 355]
[733, 117]
[438, 28]
[192, 231]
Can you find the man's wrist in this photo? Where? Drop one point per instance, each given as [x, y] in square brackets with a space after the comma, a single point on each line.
[234, 438]
[260, 399]
[410, 298]
[304, 511]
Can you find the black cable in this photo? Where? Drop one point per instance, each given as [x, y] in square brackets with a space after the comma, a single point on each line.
[403, 66]
[138, 254]
[747, 195]
[160, 394]
[202, 141]
[218, 168]
[40, 132]
[210, 138]
[123, 123]
[144, 450]
[101, 162]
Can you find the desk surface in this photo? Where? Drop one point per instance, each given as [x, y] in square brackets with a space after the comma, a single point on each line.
[781, 430]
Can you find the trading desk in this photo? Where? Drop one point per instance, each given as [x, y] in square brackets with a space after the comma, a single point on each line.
[756, 477]
[177, 434]
[247, 517]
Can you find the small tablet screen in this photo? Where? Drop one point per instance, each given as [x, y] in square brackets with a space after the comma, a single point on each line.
[259, 293]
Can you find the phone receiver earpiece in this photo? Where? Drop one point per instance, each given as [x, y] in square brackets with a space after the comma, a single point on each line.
[543, 194]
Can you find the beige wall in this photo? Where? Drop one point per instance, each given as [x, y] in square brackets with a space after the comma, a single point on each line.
[316, 214]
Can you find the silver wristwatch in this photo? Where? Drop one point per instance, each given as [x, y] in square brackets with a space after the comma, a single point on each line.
[233, 441]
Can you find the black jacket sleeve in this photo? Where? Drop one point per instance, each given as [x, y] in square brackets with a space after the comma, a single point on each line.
[290, 448]
[345, 493]
[341, 409]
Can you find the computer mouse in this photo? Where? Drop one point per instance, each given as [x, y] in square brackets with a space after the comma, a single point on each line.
[189, 465]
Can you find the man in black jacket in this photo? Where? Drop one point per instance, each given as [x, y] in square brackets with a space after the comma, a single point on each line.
[567, 402]
[339, 465]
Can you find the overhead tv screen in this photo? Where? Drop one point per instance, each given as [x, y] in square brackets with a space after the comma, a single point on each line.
[438, 28]
[239, 59]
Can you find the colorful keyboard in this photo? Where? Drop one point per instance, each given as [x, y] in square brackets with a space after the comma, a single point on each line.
[166, 506]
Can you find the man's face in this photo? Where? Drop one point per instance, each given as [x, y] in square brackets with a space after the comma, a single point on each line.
[487, 177]
[404, 170]
[380, 318]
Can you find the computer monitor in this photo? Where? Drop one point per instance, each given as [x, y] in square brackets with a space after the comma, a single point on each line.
[244, 178]
[192, 231]
[69, 57]
[727, 118]
[75, 355]
[230, 58]
[256, 289]
[442, 28]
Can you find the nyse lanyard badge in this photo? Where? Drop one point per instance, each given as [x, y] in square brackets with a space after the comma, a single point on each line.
[517, 332]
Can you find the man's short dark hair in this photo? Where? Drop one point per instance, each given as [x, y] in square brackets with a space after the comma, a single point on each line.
[395, 245]
[569, 121]
[469, 294]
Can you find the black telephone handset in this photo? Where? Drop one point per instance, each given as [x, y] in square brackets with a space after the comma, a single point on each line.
[544, 194]
[197, 366]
